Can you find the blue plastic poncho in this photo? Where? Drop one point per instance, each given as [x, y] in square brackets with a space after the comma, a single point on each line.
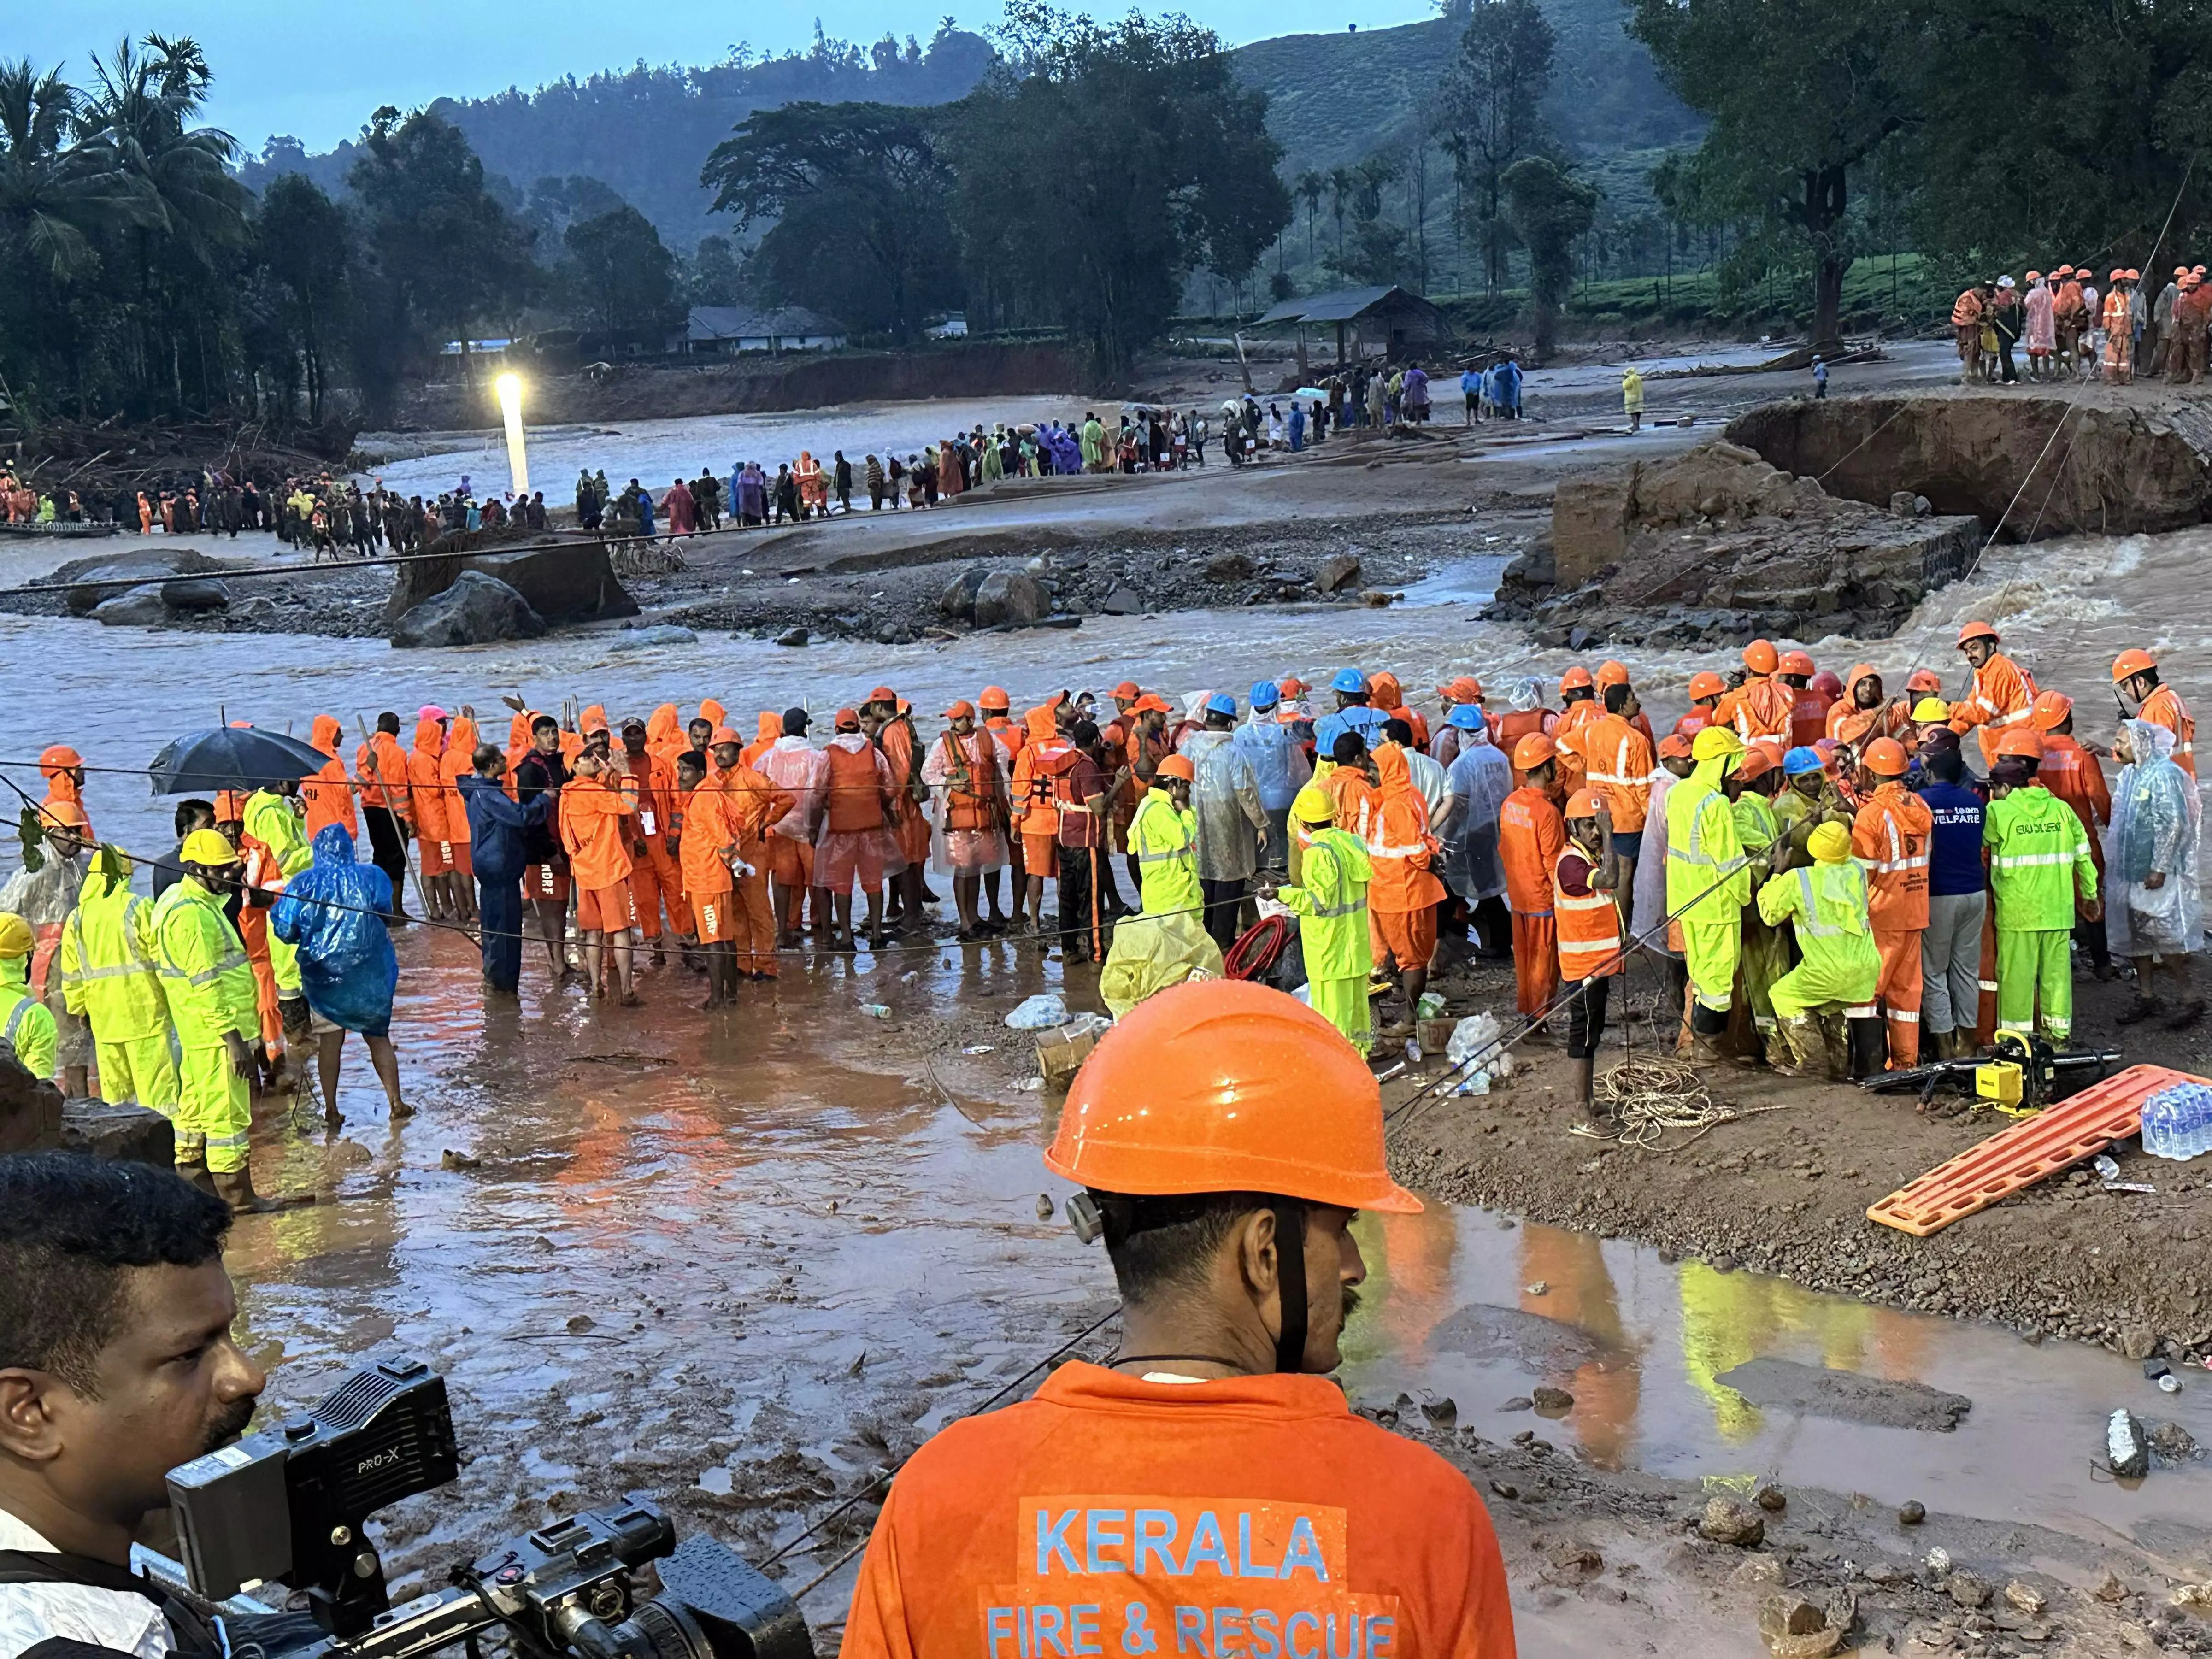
[347, 968]
[1482, 777]
[2156, 821]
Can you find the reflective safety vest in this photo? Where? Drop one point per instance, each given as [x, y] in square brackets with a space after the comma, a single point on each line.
[856, 790]
[204, 974]
[1620, 766]
[1589, 927]
[1827, 905]
[2037, 851]
[1165, 841]
[26, 1025]
[1331, 904]
[1703, 849]
[1891, 834]
[109, 975]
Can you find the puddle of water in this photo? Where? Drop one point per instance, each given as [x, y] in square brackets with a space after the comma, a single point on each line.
[1641, 1345]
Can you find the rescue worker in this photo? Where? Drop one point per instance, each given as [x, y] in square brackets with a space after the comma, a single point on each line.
[26, 1024]
[1708, 883]
[962, 771]
[1631, 398]
[1586, 875]
[1271, 1507]
[751, 804]
[1164, 840]
[1621, 765]
[44, 897]
[2003, 695]
[210, 992]
[1808, 800]
[62, 769]
[382, 766]
[1579, 707]
[1929, 715]
[329, 795]
[2071, 771]
[1951, 949]
[2039, 860]
[1808, 712]
[1706, 690]
[541, 775]
[499, 831]
[1838, 965]
[1863, 713]
[1354, 713]
[1750, 789]
[1530, 836]
[656, 882]
[456, 762]
[590, 819]
[1891, 837]
[426, 795]
[1035, 813]
[2134, 675]
[1329, 873]
[706, 844]
[1526, 717]
[274, 848]
[1762, 707]
[110, 980]
[1403, 890]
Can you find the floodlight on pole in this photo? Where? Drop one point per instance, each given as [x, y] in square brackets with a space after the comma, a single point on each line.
[509, 388]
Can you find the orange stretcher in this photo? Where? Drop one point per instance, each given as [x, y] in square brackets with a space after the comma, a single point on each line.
[2055, 1139]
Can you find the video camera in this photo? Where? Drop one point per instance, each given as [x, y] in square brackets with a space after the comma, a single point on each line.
[288, 1505]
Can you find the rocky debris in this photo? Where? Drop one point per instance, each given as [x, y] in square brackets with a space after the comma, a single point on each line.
[1968, 1590]
[1911, 1512]
[1817, 1391]
[2026, 1599]
[137, 1132]
[1337, 573]
[450, 1159]
[190, 595]
[1520, 1402]
[1552, 1400]
[1716, 545]
[1906, 505]
[1794, 1628]
[2111, 1589]
[957, 602]
[1123, 602]
[1011, 599]
[1441, 1413]
[2126, 1446]
[2122, 469]
[30, 1109]
[1730, 1521]
[792, 636]
[1772, 1499]
[645, 639]
[134, 607]
[562, 583]
[155, 566]
[1229, 567]
[2174, 1443]
[477, 610]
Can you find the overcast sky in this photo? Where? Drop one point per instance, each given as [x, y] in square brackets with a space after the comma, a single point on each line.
[315, 70]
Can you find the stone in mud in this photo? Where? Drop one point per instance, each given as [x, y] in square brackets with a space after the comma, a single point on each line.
[2174, 1443]
[1011, 599]
[192, 595]
[1441, 1413]
[136, 607]
[1229, 567]
[153, 567]
[1771, 1499]
[2137, 1342]
[1552, 1400]
[1730, 1521]
[1337, 573]
[1911, 1513]
[792, 636]
[137, 1132]
[1794, 1628]
[2110, 1589]
[1968, 1590]
[2126, 1446]
[2025, 1598]
[1815, 1391]
[562, 583]
[957, 602]
[1123, 602]
[1520, 1402]
[477, 610]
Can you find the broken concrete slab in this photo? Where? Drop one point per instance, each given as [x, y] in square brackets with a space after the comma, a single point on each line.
[1849, 1396]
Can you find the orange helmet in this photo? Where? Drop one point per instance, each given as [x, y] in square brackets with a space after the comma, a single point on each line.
[1533, 751]
[59, 756]
[1224, 1086]
[2021, 742]
[1673, 746]
[2064, 271]
[1884, 757]
[1761, 658]
[68, 814]
[1756, 763]
[2117, 274]
[1923, 682]
[2034, 275]
[1576, 679]
[1177, 766]
[1611, 673]
[1796, 662]
[1706, 684]
[1976, 630]
[1581, 805]
[2050, 711]
[2131, 663]
[994, 696]
[2132, 274]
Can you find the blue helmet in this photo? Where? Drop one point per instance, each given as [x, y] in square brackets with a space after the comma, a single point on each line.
[1467, 716]
[1348, 679]
[1221, 703]
[1800, 761]
[1266, 694]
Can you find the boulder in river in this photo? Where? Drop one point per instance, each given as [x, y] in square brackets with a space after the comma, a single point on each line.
[190, 595]
[1011, 599]
[477, 610]
[134, 607]
[153, 566]
[957, 602]
[1336, 574]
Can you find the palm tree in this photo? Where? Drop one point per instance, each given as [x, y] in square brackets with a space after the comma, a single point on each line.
[140, 108]
[1309, 189]
[54, 193]
[1341, 188]
[1454, 144]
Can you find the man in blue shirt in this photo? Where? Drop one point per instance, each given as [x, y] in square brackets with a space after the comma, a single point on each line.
[1352, 714]
[1951, 948]
[496, 824]
[1470, 389]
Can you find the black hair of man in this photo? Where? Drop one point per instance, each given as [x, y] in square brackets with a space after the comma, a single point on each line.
[695, 760]
[490, 759]
[1217, 722]
[1167, 1243]
[1084, 736]
[1946, 765]
[795, 722]
[1399, 731]
[193, 814]
[1350, 749]
[2148, 676]
[1617, 696]
[388, 723]
[544, 722]
[71, 1228]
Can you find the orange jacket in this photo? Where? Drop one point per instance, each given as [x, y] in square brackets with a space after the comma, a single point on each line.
[1762, 707]
[708, 839]
[857, 780]
[1849, 723]
[1808, 718]
[752, 802]
[2003, 697]
[770, 728]
[457, 762]
[1699, 718]
[665, 738]
[1386, 694]
[1272, 1517]
[1358, 803]
[1530, 834]
[2164, 707]
[593, 831]
[1621, 761]
[381, 765]
[1967, 310]
[1891, 836]
[974, 803]
[329, 795]
[1574, 762]
[1399, 844]
[1588, 923]
[1034, 810]
[2077, 777]
[426, 781]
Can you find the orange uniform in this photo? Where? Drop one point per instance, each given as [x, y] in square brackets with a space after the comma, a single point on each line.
[1762, 707]
[1530, 836]
[1386, 694]
[1588, 926]
[1890, 836]
[2077, 777]
[1849, 724]
[665, 738]
[908, 822]
[381, 765]
[592, 832]
[655, 881]
[457, 762]
[1809, 717]
[1114, 1514]
[1358, 803]
[2003, 695]
[751, 802]
[1402, 892]
[426, 794]
[1621, 761]
[769, 728]
[1035, 813]
[2164, 707]
[1574, 764]
[329, 795]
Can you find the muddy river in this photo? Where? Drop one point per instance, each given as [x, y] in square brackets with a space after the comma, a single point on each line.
[741, 1264]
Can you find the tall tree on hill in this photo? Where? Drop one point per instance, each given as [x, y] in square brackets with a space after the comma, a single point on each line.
[450, 253]
[1309, 188]
[619, 271]
[1550, 211]
[853, 191]
[1803, 95]
[1491, 96]
[306, 245]
[1101, 166]
[1342, 188]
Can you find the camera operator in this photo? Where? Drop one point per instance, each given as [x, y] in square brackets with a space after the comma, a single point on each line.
[117, 1364]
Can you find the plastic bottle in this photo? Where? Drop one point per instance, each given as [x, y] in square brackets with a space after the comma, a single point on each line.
[2177, 1121]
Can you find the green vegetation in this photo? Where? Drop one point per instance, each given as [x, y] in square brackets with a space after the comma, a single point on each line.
[1898, 292]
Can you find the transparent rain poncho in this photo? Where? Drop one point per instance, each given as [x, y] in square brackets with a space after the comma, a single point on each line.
[2157, 824]
[347, 968]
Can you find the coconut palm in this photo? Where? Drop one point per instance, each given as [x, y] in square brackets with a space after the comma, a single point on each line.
[56, 189]
[145, 96]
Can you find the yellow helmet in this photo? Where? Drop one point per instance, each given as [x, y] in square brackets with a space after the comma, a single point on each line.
[1713, 742]
[1313, 805]
[15, 939]
[209, 846]
[1830, 843]
[1932, 708]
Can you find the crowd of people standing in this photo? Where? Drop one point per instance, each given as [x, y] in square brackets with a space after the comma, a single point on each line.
[2073, 330]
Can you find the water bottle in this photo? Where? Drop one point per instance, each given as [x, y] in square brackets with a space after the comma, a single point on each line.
[2177, 1121]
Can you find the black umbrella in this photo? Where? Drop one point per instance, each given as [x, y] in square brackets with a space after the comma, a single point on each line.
[232, 758]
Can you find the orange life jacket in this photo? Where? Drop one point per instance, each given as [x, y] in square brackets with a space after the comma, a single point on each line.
[1589, 927]
[856, 800]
